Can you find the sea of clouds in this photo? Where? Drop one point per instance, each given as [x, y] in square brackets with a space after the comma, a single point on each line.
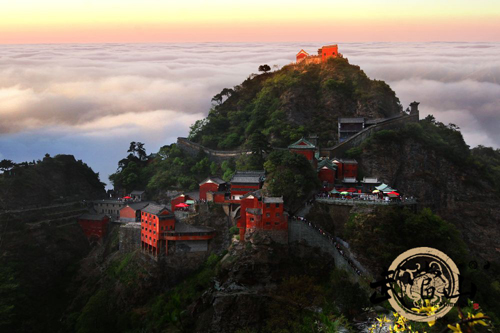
[91, 100]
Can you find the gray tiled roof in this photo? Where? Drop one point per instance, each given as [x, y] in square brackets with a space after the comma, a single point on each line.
[181, 227]
[247, 177]
[273, 199]
[257, 194]
[367, 180]
[297, 145]
[154, 209]
[136, 192]
[254, 211]
[348, 161]
[92, 217]
[137, 205]
[352, 120]
[216, 180]
[349, 180]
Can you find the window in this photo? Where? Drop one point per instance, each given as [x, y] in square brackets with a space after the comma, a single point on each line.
[268, 215]
[251, 219]
[268, 205]
[161, 228]
[277, 214]
[276, 223]
[154, 224]
[268, 223]
[277, 205]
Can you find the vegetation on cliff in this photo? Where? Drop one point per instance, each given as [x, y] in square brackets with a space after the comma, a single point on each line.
[52, 180]
[292, 102]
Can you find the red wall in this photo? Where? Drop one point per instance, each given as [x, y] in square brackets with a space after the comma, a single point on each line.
[244, 189]
[273, 222]
[309, 154]
[300, 56]
[179, 200]
[152, 228]
[127, 212]
[326, 175]
[328, 52]
[350, 170]
[219, 197]
[207, 187]
[93, 227]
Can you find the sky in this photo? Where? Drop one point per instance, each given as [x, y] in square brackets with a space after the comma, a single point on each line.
[153, 21]
[86, 77]
[92, 100]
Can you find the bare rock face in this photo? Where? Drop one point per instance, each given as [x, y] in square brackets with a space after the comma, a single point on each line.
[457, 194]
[248, 275]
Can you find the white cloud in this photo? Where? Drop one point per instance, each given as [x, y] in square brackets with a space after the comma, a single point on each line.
[119, 93]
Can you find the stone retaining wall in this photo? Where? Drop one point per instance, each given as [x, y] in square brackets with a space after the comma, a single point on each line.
[130, 237]
[193, 148]
[355, 140]
[300, 231]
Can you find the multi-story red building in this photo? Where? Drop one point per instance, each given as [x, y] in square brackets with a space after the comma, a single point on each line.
[211, 184]
[161, 234]
[263, 213]
[94, 225]
[244, 182]
[304, 147]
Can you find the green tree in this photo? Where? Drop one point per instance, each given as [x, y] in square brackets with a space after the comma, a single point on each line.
[264, 68]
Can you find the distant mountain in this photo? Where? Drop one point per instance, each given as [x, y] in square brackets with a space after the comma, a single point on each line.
[50, 181]
[294, 101]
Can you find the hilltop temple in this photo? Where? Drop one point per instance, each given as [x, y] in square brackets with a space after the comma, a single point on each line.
[324, 53]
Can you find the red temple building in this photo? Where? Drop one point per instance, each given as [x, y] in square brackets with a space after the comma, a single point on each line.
[179, 199]
[346, 168]
[324, 53]
[244, 182]
[161, 234]
[211, 184]
[94, 225]
[132, 211]
[326, 173]
[260, 212]
[304, 147]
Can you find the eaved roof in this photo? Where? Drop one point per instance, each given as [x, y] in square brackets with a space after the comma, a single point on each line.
[273, 200]
[254, 211]
[136, 192]
[302, 51]
[367, 180]
[137, 205]
[155, 209]
[257, 194]
[248, 177]
[351, 120]
[215, 180]
[302, 144]
[181, 227]
[348, 161]
[326, 163]
[349, 180]
[92, 217]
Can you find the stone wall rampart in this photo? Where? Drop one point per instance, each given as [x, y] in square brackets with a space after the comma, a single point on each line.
[354, 141]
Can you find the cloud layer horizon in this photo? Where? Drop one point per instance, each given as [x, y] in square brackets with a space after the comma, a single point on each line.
[91, 100]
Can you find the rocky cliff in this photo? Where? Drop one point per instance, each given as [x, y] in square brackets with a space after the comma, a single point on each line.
[443, 178]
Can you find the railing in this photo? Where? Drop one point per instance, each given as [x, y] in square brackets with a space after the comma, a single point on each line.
[337, 201]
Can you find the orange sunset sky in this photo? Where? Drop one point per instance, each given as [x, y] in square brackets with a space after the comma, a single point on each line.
[79, 21]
